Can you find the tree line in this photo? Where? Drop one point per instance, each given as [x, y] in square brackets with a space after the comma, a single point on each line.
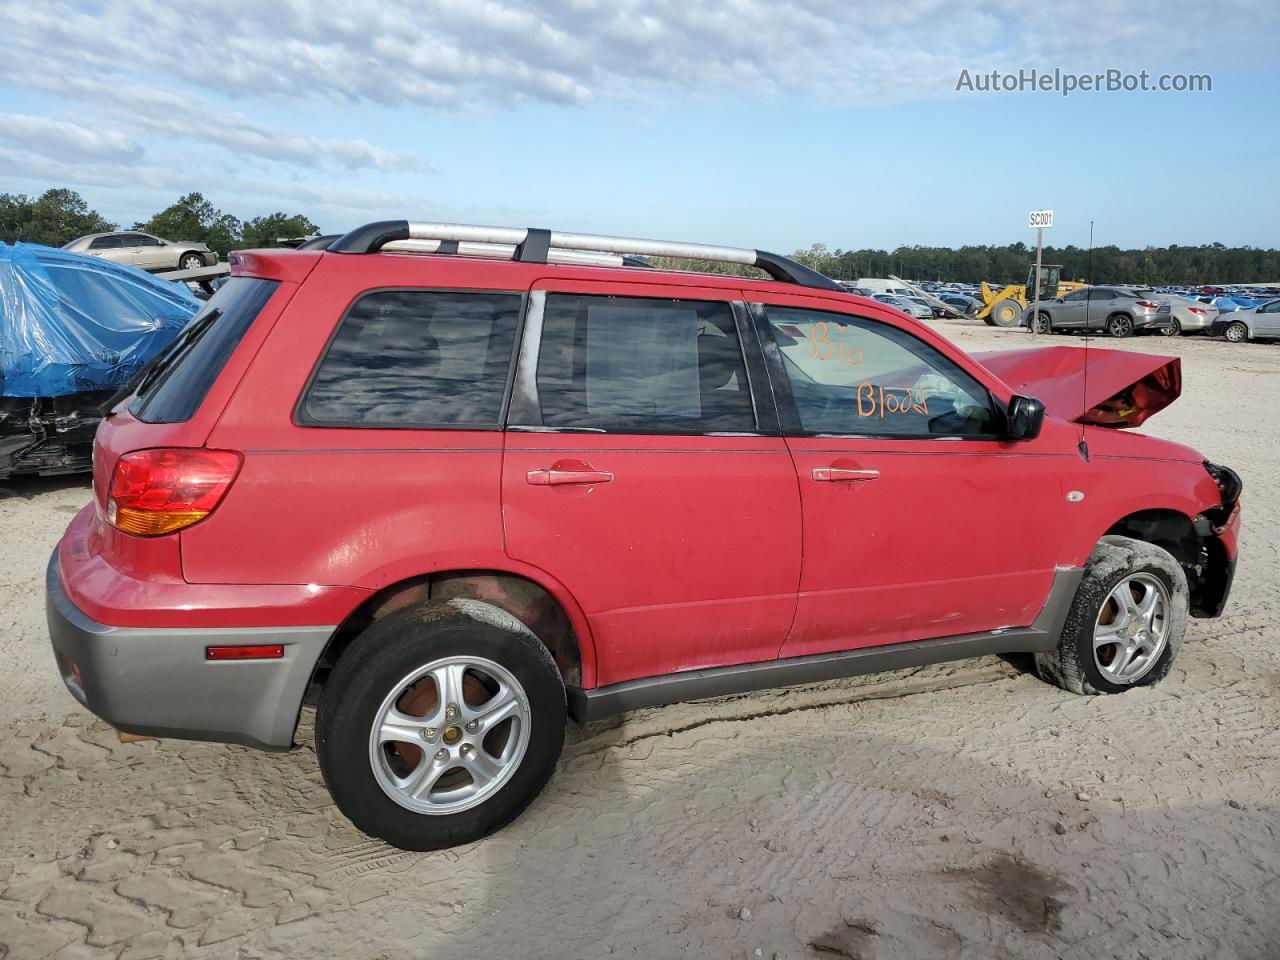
[60, 215]
[1153, 266]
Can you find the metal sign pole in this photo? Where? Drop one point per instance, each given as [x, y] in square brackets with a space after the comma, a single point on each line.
[1035, 303]
[1040, 220]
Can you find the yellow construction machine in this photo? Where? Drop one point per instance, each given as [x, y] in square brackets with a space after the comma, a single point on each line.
[1004, 308]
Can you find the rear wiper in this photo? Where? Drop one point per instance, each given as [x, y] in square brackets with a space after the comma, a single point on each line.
[148, 372]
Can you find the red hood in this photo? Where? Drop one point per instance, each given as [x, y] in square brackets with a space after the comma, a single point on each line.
[1119, 388]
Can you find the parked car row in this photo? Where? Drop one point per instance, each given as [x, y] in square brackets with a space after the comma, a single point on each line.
[1116, 310]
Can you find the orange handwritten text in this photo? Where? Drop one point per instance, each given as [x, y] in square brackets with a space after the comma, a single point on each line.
[825, 349]
[877, 401]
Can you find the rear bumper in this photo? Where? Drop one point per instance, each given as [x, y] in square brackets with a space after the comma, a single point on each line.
[156, 681]
[1194, 323]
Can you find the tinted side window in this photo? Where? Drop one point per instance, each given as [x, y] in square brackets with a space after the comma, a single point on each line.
[855, 376]
[631, 365]
[104, 243]
[416, 358]
[178, 384]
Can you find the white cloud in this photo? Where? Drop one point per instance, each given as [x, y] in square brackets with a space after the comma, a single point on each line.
[459, 52]
[157, 97]
[42, 134]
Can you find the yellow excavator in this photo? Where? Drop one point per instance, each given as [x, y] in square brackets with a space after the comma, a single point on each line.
[1004, 308]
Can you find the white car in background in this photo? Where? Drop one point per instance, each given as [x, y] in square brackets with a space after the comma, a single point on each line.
[1255, 323]
[912, 308]
[144, 250]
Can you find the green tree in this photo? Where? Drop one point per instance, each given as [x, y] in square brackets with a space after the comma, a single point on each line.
[54, 218]
[266, 231]
[195, 218]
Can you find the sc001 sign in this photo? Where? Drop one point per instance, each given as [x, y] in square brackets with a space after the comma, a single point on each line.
[1040, 219]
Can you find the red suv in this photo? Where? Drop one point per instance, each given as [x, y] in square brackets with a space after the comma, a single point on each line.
[458, 483]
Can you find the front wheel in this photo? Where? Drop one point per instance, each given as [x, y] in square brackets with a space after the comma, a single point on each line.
[1042, 324]
[1119, 325]
[440, 724]
[1236, 332]
[190, 261]
[1126, 622]
[1172, 330]
[1006, 313]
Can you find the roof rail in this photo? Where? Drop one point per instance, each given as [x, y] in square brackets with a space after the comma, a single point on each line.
[535, 245]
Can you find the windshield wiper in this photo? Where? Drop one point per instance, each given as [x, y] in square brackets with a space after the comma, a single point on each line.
[152, 369]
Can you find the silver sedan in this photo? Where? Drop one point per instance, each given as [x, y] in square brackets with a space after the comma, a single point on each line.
[920, 311]
[1255, 323]
[144, 250]
[1189, 316]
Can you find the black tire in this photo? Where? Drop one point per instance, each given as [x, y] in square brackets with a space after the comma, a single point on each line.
[1120, 325]
[1236, 332]
[1006, 313]
[1173, 330]
[190, 261]
[1071, 665]
[1042, 323]
[371, 667]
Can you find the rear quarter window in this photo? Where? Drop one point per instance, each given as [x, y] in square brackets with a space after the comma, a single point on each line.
[175, 388]
[416, 359]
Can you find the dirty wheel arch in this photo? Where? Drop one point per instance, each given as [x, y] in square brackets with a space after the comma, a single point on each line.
[1097, 631]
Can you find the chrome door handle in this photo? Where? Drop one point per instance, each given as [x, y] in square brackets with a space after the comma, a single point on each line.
[552, 478]
[842, 475]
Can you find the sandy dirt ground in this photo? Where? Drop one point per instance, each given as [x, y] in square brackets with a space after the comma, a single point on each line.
[968, 810]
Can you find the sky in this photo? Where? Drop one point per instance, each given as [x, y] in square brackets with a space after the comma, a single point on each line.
[746, 122]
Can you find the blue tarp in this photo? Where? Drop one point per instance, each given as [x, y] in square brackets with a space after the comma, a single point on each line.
[71, 323]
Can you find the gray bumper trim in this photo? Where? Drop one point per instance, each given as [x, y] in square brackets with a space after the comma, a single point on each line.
[156, 681]
[587, 705]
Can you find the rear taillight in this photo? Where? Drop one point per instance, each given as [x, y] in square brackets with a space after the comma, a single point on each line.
[1197, 311]
[1147, 303]
[154, 492]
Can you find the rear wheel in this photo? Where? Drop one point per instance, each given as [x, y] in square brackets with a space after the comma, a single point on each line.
[1006, 313]
[1236, 332]
[440, 724]
[1126, 622]
[1120, 325]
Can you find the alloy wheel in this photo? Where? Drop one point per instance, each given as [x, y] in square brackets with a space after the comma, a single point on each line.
[449, 735]
[1119, 326]
[1132, 629]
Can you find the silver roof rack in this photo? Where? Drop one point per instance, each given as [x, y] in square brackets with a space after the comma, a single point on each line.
[535, 245]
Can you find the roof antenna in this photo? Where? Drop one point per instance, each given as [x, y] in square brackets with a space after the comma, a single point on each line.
[1083, 446]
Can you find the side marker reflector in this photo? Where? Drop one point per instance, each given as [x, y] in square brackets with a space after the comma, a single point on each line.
[251, 651]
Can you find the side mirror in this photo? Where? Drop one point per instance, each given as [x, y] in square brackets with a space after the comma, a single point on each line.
[1024, 418]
